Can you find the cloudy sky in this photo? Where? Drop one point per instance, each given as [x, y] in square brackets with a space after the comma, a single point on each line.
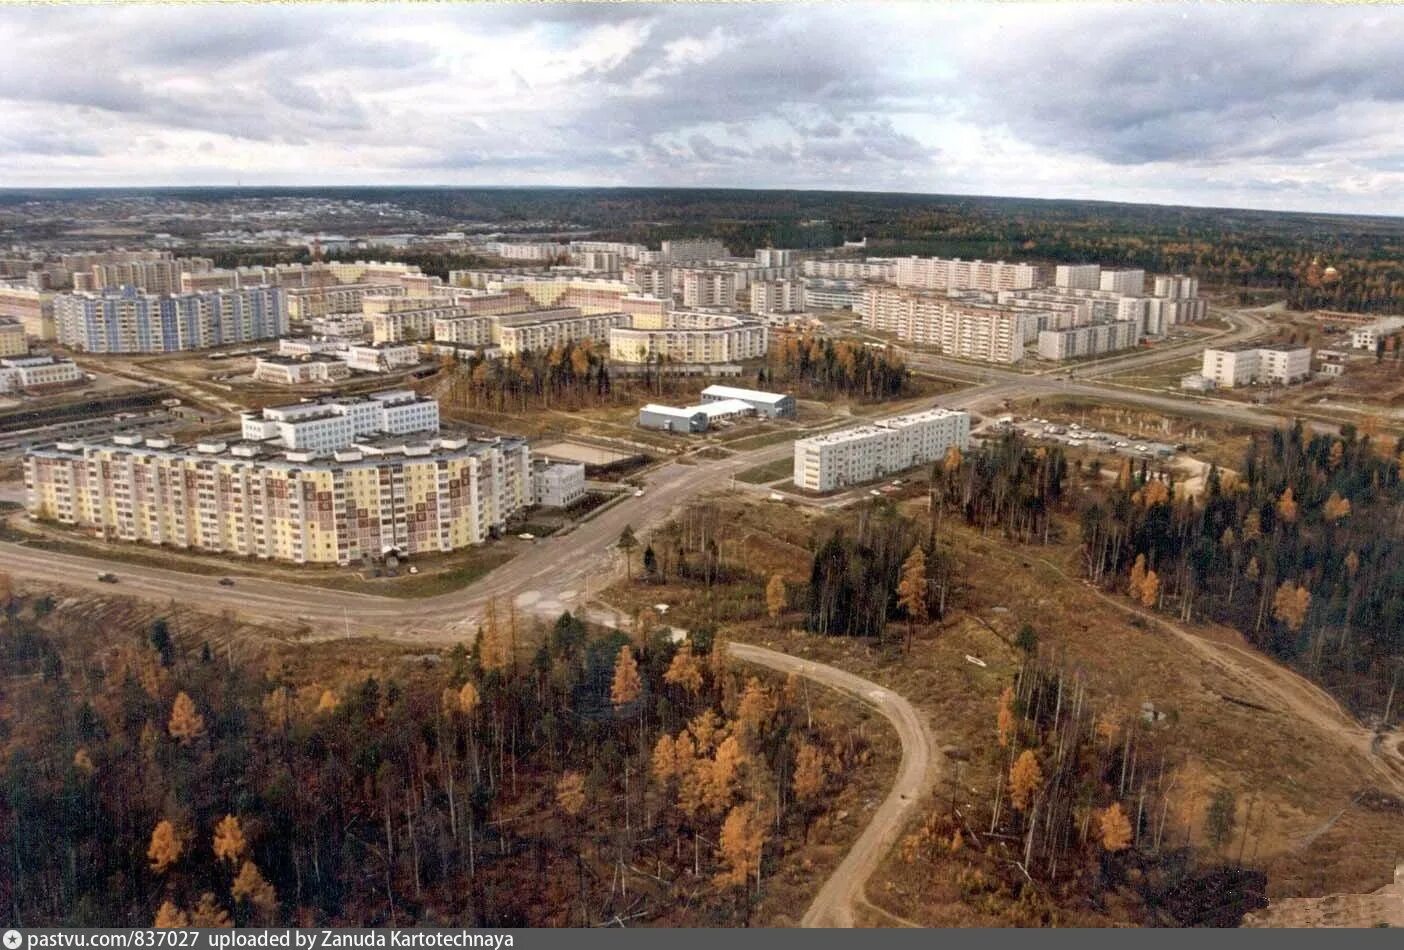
[1281, 106]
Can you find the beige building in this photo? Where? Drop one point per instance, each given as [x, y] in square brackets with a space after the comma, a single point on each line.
[707, 287]
[939, 273]
[975, 331]
[394, 319]
[300, 371]
[686, 337]
[541, 330]
[13, 341]
[34, 309]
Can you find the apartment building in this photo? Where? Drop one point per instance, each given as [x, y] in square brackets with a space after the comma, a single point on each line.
[1130, 282]
[1078, 276]
[776, 257]
[706, 249]
[607, 262]
[557, 484]
[306, 304]
[540, 330]
[852, 456]
[874, 268]
[396, 319]
[158, 276]
[623, 250]
[970, 330]
[687, 337]
[281, 370]
[707, 286]
[329, 424]
[777, 296]
[650, 280]
[465, 330]
[1369, 336]
[537, 252]
[34, 309]
[1284, 363]
[13, 341]
[938, 273]
[29, 373]
[131, 321]
[825, 293]
[408, 495]
[1088, 340]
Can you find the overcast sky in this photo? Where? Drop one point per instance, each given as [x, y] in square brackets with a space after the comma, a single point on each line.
[1288, 106]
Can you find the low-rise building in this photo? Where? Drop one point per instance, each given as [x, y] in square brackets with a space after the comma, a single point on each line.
[37, 373]
[767, 405]
[557, 484]
[1284, 363]
[1368, 337]
[852, 456]
[282, 370]
[328, 424]
[698, 418]
[381, 357]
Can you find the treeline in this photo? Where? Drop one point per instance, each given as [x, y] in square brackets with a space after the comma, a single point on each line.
[1301, 550]
[824, 366]
[1006, 484]
[591, 778]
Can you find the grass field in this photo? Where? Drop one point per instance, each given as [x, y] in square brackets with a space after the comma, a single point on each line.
[770, 472]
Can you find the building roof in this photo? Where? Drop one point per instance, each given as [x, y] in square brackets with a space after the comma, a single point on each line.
[750, 395]
[674, 412]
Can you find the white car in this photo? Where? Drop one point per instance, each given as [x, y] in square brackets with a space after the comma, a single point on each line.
[639, 493]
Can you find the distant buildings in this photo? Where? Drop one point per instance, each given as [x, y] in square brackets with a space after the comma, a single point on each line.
[938, 273]
[976, 331]
[777, 296]
[34, 309]
[37, 373]
[312, 483]
[1368, 337]
[703, 249]
[1283, 363]
[707, 287]
[824, 293]
[690, 337]
[1090, 340]
[13, 341]
[131, 321]
[853, 456]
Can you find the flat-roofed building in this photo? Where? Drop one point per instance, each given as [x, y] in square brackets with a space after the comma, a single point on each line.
[777, 296]
[1369, 336]
[13, 341]
[707, 286]
[767, 405]
[538, 331]
[300, 370]
[1090, 340]
[131, 321]
[970, 330]
[852, 456]
[1078, 276]
[938, 273]
[37, 373]
[398, 319]
[33, 308]
[691, 337]
[328, 424]
[557, 484]
[1131, 281]
[699, 249]
[381, 357]
[698, 418]
[1284, 363]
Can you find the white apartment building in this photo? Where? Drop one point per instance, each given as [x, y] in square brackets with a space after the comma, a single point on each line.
[37, 372]
[607, 262]
[777, 296]
[533, 251]
[132, 321]
[396, 319]
[309, 346]
[702, 249]
[776, 257]
[1078, 276]
[686, 337]
[543, 329]
[380, 357]
[557, 484]
[874, 268]
[975, 331]
[853, 456]
[300, 371]
[707, 286]
[1130, 282]
[1368, 337]
[1175, 286]
[651, 280]
[1089, 340]
[831, 293]
[327, 425]
[939, 273]
[1284, 363]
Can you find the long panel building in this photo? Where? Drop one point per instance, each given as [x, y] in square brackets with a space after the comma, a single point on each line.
[324, 501]
[970, 330]
[853, 456]
[132, 321]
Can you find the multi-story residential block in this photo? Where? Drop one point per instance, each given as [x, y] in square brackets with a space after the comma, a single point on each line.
[131, 321]
[1078, 276]
[34, 309]
[707, 286]
[650, 280]
[874, 268]
[536, 252]
[407, 495]
[977, 331]
[1231, 366]
[557, 484]
[1131, 282]
[161, 276]
[540, 330]
[1284, 363]
[37, 373]
[300, 370]
[381, 357]
[326, 425]
[688, 337]
[394, 319]
[853, 456]
[1088, 340]
[13, 341]
[1175, 286]
[706, 249]
[608, 262]
[624, 250]
[306, 304]
[1367, 337]
[938, 273]
[777, 296]
[832, 293]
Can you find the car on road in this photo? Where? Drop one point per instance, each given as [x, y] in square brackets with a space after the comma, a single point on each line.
[107, 577]
[226, 582]
[639, 493]
[413, 569]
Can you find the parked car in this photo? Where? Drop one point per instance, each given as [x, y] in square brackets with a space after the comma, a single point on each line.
[226, 582]
[107, 578]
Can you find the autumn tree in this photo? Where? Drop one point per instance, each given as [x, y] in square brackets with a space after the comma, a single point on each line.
[570, 793]
[911, 591]
[229, 844]
[493, 651]
[684, 672]
[753, 711]
[251, 888]
[1025, 780]
[1287, 506]
[170, 917]
[1115, 828]
[775, 596]
[1290, 605]
[166, 846]
[1006, 724]
[626, 685]
[742, 841]
[209, 914]
[1336, 507]
[186, 724]
[810, 774]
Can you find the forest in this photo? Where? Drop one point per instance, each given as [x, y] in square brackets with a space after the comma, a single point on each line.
[824, 366]
[555, 776]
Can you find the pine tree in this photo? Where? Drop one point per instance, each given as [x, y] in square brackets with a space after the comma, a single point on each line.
[229, 844]
[1025, 780]
[684, 672]
[1115, 827]
[627, 543]
[741, 844]
[911, 591]
[170, 917]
